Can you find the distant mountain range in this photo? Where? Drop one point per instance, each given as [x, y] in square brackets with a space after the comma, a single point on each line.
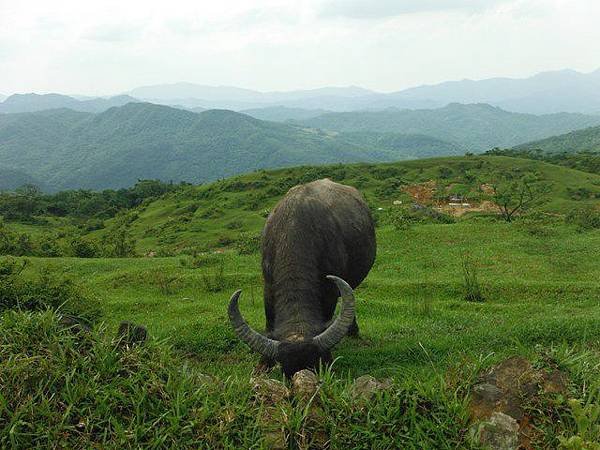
[586, 140]
[59, 141]
[115, 148]
[544, 93]
[475, 127]
[18, 103]
[194, 95]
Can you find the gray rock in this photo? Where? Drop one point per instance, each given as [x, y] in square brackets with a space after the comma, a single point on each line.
[501, 432]
[366, 387]
[305, 383]
[267, 390]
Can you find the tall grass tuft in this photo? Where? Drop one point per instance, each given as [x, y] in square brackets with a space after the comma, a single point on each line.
[167, 283]
[213, 279]
[473, 291]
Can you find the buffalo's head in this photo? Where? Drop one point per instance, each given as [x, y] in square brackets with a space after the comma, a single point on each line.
[297, 355]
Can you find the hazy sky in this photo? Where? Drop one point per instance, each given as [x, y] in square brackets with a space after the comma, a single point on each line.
[105, 47]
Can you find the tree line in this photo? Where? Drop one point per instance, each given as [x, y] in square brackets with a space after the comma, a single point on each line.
[28, 202]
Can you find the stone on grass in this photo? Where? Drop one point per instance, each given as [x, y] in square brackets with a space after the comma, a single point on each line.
[305, 383]
[267, 390]
[366, 387]
[502, 393]
[501, 432]
[502, 389]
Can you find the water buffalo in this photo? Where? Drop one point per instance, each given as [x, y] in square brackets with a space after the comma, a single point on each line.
[318, 235]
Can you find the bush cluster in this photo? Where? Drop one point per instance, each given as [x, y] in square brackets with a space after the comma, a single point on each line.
[404, 217]
[584, 218]
[43, 290]
[116, 243]
[28, 202]
[248, 243]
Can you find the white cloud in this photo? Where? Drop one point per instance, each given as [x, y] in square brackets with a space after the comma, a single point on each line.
[369, 9]
[109, 46]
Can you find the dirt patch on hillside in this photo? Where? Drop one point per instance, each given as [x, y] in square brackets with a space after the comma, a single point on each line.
[422, 193]
[487, 189]
[425, 194]
[458, 210]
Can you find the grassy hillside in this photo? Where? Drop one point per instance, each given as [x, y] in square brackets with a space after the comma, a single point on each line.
[586, 140]
[476, 127]
[538, 278]
[69, 149]
[214, 215]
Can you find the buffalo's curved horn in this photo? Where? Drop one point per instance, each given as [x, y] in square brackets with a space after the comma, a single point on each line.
[256, 341]
[339, 328]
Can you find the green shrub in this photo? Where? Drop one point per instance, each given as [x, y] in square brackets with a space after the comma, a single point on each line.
[586, 415]
[14, 243]
[118, 243]
[205, 260]
[85, 248]
[389, 187]
[248, 243]
[581, 193]
[48, 246]
[224, 240]
[445, 172]
[93, 225]
[404, 217]
[46, 290]
[387, 172]
[400, 219]
[234, 225]
[584, 218]
[212, 213]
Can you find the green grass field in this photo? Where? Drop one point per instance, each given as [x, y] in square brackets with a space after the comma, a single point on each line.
[411, 308]
[539, 277]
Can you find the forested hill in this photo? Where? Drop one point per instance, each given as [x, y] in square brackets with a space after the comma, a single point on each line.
[12, 179]
[586, 140]
[19, 103]
[477, 127]
[69, 149]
